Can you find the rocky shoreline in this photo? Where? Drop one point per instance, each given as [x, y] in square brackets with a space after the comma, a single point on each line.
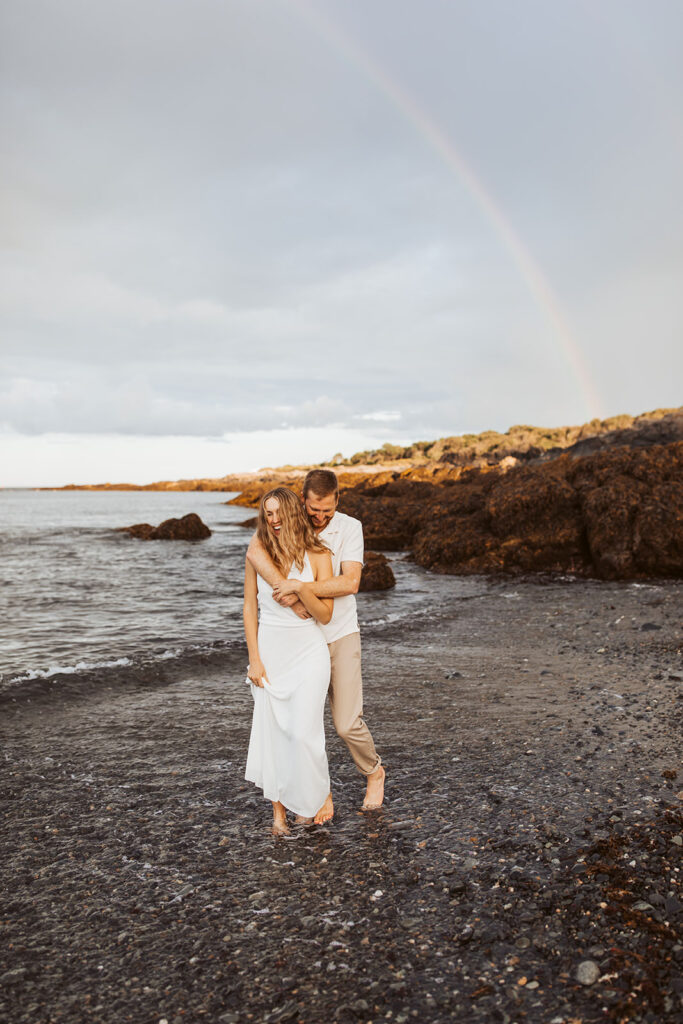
[602, 500]
[617, 514]
[526, 865]
[614, 514]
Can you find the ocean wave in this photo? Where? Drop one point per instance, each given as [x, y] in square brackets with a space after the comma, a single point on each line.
[389, 617]
[142, 670]
[81, 666]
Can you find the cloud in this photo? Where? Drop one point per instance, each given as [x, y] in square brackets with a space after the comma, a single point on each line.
[220, 219]
[380, 416]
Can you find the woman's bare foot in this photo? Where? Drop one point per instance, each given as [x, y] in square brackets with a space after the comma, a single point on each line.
[300, 820]
[374, 794]
[280, 826]
[326, 812]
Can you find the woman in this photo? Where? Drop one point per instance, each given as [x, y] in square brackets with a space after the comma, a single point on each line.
[289, 668]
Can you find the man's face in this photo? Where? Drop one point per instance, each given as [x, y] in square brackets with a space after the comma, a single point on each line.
[320, 510]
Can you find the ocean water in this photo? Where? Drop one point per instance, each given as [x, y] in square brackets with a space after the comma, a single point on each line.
[77, 597]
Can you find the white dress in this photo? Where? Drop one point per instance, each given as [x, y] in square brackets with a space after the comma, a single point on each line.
[287, 757]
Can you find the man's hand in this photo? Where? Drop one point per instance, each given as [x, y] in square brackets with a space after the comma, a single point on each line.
[286, 587]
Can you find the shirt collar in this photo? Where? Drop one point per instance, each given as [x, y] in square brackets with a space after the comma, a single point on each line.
[333, 525]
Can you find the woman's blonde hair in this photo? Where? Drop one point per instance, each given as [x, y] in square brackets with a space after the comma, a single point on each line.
[297, 536]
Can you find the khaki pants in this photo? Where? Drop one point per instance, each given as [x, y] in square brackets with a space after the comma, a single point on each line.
[346, 702]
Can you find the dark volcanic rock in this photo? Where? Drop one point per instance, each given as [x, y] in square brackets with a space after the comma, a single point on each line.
[632, 509]
[617, 514]
[389, 523]
[189, 527]
[142, 531]
[377, 573]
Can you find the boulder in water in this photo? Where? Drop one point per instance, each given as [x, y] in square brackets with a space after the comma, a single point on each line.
[377, 573]
[189, 527]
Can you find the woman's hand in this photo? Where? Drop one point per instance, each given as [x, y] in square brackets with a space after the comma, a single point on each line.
[286, 587]
[256, 671]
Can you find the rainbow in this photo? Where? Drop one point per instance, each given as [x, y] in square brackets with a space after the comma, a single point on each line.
[438, 140]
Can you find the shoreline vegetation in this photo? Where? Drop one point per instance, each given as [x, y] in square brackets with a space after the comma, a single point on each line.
[602, 500]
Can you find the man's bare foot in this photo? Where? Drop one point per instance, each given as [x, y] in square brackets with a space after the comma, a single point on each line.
[301, 820]
[374, 793]
[280, 826]
[326, 812]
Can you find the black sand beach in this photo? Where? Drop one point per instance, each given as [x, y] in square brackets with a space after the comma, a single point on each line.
[525, 867]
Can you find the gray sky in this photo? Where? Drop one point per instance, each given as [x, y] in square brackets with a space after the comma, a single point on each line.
[236, 233]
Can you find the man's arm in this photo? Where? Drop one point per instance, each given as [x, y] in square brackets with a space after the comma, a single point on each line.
[337, 586]
[266, 568]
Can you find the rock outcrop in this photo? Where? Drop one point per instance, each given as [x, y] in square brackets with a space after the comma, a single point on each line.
[617, 514]
[189, 527]
[377, 573]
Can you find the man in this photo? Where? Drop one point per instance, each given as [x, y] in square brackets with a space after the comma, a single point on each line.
[344, 537]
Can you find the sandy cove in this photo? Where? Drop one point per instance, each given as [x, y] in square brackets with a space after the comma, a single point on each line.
[525, 866]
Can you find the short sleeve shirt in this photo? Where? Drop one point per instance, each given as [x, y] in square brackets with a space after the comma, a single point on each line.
[344, 537]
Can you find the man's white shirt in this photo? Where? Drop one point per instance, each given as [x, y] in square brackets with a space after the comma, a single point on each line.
[344, 537]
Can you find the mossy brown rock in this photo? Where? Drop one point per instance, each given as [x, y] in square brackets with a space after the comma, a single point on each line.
[377, 573]
[617, 514]
[632, 508]
[189, 527]
[389, 523]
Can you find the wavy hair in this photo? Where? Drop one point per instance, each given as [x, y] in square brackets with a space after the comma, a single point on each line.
[297, 536]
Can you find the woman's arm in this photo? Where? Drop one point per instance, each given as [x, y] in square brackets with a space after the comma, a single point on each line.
[256, 669]
[322, 570]
[262, 563]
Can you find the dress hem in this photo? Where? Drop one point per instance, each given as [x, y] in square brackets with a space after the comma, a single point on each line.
[277, 799]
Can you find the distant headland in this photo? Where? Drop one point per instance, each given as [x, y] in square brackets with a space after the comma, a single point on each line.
[443, 458]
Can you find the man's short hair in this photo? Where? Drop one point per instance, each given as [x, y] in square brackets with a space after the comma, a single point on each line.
[322, 482]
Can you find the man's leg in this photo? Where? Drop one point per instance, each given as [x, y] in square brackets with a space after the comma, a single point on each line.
[346, 704]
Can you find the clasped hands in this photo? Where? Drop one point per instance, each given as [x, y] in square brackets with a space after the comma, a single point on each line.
[286, 593]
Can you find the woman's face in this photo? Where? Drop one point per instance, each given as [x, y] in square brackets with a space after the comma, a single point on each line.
[272, 509]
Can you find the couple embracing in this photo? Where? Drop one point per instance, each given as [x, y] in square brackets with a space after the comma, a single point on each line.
[302, 572]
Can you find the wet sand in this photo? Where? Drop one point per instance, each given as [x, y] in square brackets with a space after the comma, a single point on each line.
[525, 867]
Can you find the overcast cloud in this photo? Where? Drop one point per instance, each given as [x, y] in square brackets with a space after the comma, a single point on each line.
[226, 219]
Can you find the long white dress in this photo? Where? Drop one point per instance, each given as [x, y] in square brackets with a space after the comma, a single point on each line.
[287, 757]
